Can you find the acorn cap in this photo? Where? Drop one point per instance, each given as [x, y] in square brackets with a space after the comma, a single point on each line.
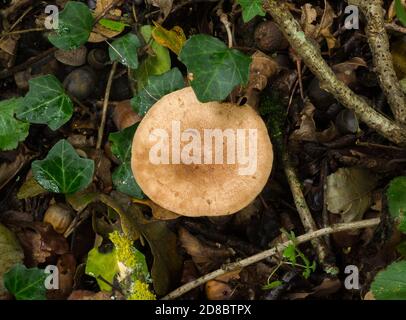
[200, 189]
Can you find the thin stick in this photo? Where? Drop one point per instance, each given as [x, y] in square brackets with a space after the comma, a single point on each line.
[268, 253]
[227, 25]
[9, 72]
[305, 214]
[312, 57]
[22, 31]
[379, 43]
[105, 105]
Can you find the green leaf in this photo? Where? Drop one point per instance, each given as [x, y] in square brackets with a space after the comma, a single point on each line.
[400, 11]
[290, 253]
[46, 103]
[63, 171]
[113, 25]
[121, 143]
[124, 181]
[75, 26]
[397, 201]
[216, 69]
[11, 254]
[12, 131]
[124, 50]
[272, 285]
[390, 284]
[26, 284]
[251, 9]
[153, 65]
[102, 265]
[155, 88]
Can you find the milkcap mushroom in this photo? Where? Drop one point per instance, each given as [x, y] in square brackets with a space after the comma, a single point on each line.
[173, 165]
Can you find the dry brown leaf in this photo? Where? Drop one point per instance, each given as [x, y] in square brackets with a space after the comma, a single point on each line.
[164, 5]
[101, 33]
[307, 127]
[157, 211]
[206, 258]
[309, 17]
[219, 288]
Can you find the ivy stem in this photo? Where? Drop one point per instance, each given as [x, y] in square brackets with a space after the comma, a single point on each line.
[106, 105]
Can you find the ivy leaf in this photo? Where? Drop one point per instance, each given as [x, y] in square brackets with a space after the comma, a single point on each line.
[397, 201]
[390, 284]
[46, 103]
[124, 181]
[156, 64]
[124, 50]
[155, 88]
[173, 39]
[121, 143]
[75, 26]
[25, 284]
[63, 171]
[12, 131]
[102, 265]
[215, 68]
[400, 11]
[251, 9]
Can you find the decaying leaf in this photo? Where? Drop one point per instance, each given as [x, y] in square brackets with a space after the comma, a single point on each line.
[349, 192]
[157, 211]
[206, 258]
[101, 33]
[164, 5]
[10, 253]
[173, 39]
[307, 130]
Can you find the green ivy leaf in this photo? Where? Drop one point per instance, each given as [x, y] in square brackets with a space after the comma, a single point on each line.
[155, 88]
[216, 69]
[124, 181]
[251, 9]
[397, 201]
[46, 103]
[25, 284]
[63, 171]
[102, 265]
[121, 143]
[390, 284]
[124, 50]
[75, 26]
[155, 64]
[12, 131]
[400, 11]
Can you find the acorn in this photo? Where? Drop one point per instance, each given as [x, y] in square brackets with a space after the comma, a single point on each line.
[347, 122]
[97, 58]
[80, 83]
[269, 38]
[59, 217]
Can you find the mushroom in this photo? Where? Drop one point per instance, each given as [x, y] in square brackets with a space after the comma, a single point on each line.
[181, 167]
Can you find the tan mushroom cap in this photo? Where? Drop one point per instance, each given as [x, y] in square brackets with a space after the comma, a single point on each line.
[200, 189]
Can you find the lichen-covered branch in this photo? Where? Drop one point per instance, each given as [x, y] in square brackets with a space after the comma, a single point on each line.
[380, 47]
[311, 55]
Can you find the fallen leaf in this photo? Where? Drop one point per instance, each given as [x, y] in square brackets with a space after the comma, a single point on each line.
[173, 39]
[164, 5]
[157, 211]
[11, 253]
[101, 33]
[307, 130]
[349, 192]
[206, 258]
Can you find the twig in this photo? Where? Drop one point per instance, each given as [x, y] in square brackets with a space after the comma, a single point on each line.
[312, 57]
[5, 34]
[395, 27]
[305, 214]
[9, 72]
[268, 253]
[227, 25]
[105, 105]
[380, 47]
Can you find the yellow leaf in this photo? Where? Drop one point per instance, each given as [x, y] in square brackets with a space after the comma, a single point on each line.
[173, 39]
